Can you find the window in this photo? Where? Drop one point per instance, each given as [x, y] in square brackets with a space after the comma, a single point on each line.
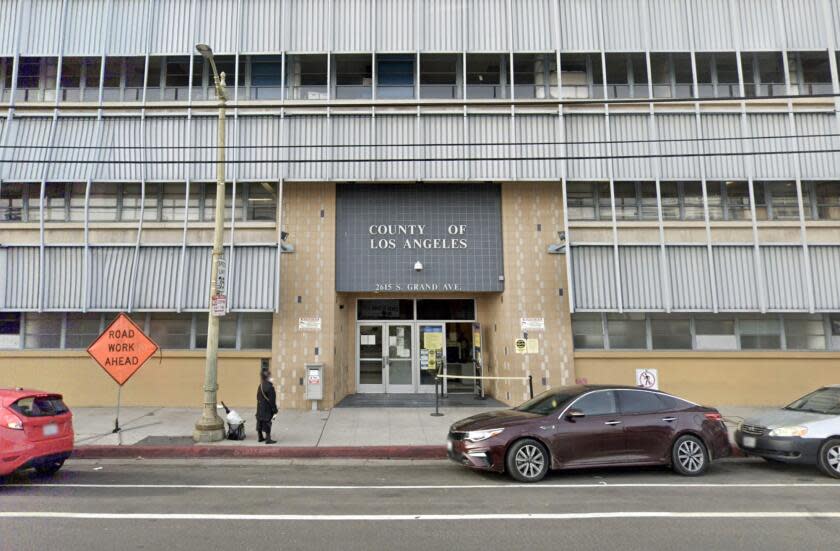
[177, 78]
[717, 75]
[102, 205]
[9, 330]
[394, 76]
[715, 333]
[627, 331]
[834, 324]
[353, 76]
[42, 330]
[810, 73]
[626, 201]
[484, 76]
[256, 331]
[587, 330]
[172, 199]
[827, 198]
[764, 74]
[760, 333]
[82, 329]
[209, 205]
[670, 332]
[776, 201]
[439, 74]
[6, 64]
[453, 309]
[384, 309]
[627, 75]
[227, 331]
[639, 402]
[804, 332]
[728, 200]
[28, 78]
[535, 76]
[261, 203]
[307, 77]
[11, 202]
[171, 330]
[582, 76]
[671, 75]
[112, 83]
[682, 200]
[137, 197]
[601, 402]
[76, 202]
[266, 77]
[588, 200]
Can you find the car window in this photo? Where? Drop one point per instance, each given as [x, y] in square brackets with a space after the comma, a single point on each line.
[548, 401]
[639, 401]
[40, 406]
[597, 403]
[672, 403]
[825, 401]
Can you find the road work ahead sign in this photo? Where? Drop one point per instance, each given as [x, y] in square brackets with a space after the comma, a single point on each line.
[122, 349]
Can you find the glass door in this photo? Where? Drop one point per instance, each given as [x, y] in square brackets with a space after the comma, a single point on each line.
[399, 359]
[371, 355]
[431, 352]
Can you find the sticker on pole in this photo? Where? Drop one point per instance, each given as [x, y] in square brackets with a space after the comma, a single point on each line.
[122, 349]
[647, 378]
[218, 306]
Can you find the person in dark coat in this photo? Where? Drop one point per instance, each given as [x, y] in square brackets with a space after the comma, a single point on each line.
[266, 407]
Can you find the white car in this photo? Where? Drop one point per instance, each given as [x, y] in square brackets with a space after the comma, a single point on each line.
[807, 432]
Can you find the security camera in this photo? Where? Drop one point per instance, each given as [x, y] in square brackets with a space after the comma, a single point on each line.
[418, 266]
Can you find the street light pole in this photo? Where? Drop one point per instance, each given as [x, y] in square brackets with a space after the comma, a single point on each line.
[210, 427]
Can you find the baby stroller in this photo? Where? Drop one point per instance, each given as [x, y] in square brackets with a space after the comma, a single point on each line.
[236, 424]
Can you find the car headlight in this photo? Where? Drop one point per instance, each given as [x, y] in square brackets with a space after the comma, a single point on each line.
[789, 431]
[479, 435]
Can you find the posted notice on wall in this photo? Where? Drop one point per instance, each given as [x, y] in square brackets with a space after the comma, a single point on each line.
[309, 324]
[532, 324]
[647, 378]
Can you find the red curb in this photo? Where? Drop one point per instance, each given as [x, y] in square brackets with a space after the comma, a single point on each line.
[270, 452]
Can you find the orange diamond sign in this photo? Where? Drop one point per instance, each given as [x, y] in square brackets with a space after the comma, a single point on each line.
[122, 349]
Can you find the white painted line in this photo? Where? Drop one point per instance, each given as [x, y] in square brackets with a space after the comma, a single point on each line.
[379, 518]
[600, 485]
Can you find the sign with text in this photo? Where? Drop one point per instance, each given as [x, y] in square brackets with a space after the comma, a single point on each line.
[218, 305]
[532, 324]
[418, 238]
[311, 324]
[647, 378]
[122, 349]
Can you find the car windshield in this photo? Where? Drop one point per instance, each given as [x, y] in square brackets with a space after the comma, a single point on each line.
[549, 401]
[824, 400]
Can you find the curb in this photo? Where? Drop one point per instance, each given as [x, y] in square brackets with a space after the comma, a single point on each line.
[270, 452]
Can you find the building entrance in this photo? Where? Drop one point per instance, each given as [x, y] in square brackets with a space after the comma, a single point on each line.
[400, 349]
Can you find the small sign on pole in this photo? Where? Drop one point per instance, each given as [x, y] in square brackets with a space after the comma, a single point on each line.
[218, 306]
[121, 350]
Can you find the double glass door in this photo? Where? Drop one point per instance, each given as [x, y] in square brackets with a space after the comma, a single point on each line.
[386, 357]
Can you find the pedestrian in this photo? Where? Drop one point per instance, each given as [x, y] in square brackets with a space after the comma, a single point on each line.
[266, 407]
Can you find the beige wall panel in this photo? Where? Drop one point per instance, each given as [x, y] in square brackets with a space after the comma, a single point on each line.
[71, 235]
[20, 234]
[637, 235]
[728, 234]
[788, 234]
[114, 234]
[171, 379]
[717, 378]
[696, 235]
[580, 234]
[823, 234]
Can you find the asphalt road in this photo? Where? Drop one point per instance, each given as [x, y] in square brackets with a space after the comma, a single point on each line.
[431, 505]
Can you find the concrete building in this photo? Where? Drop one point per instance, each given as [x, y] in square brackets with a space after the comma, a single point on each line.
[632, 183]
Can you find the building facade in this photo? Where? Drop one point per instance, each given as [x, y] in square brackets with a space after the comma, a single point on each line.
[415, 185]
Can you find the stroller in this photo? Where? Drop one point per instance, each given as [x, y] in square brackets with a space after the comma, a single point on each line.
[236, 425]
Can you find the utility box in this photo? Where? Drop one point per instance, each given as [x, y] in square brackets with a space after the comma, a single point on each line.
[314, 381]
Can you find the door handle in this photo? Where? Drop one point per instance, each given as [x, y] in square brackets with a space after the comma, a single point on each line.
[612, 422]
[669, 419]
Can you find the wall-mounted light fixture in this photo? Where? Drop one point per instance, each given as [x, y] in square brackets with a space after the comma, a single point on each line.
[418, 266]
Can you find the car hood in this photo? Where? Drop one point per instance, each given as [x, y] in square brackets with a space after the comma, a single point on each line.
[786, 418]
[493, 420]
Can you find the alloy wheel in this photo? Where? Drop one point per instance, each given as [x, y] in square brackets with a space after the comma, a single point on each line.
[529, 461]
[833, 457]
[691, 456]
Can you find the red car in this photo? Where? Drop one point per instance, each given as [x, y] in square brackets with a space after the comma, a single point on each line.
[591, 426]
[36, 431]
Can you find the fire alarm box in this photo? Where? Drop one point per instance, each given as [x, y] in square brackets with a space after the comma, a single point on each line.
[314, 380]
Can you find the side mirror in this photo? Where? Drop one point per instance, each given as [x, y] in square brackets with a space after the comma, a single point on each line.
[574, 414]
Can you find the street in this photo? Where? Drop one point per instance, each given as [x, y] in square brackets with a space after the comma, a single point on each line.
[430, 505]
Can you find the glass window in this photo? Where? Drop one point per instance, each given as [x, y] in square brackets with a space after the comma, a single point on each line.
[55, 202]
[262, 201]
[77, 201]
[804, 332]
[588, 330]
[353, 76]
[29, 72]
[535, 75]
[582, 76]
[256, 331]
[266, 77]
[384, 309]
[626, 201]
[627, 331]
[209, 207]
[715, 197]
[42, 330]
[484, 76]
[93, 70]
[736, 201]
[827, 196]
[170, 330]
[682, 200]
[760, 333]
[834, 324]
[82, 329]
[639, 401]
[715, 333]
[670, 332]
[550, 400]
[71, 74]
[9, 330]
[111, 85]
[627, 75]
[764, 74]
[103, 202]
[648, 209]
[439, 76]
[227, 331]
[776, 201]
[395, 76]
[810, 73]
[582, 200]
[133, 198]
[11, 202]
[601, 402]
[307, 77]
[670, 193]
[451, 309]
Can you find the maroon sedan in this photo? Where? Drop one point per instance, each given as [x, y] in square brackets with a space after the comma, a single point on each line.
[591, 426]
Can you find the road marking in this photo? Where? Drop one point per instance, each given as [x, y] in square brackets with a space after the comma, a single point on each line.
[472, 517]
[600, 485]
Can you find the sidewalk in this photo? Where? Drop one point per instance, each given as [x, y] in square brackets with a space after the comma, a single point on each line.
[342, 432]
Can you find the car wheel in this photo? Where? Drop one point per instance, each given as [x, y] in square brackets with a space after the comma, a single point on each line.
[689, 456]
[51, 469]
[527, 461]
[829, 460]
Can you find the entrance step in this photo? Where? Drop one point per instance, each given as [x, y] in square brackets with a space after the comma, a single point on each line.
[416, 401]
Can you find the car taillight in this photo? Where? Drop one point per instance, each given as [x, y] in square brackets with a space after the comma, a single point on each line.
[714, 416]
[9, 420]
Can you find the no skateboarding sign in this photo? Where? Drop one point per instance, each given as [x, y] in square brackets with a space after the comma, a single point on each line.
[647, 378]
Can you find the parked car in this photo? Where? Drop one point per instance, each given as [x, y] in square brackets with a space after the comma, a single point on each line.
[36, 431]
[591, 426]
[806, 432]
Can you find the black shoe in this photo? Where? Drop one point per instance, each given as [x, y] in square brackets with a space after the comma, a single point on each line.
[270, 441]
[260, 439]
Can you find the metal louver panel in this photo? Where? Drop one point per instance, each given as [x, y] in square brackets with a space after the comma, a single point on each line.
[785, 273]
[110, 277]
[21, 274]
[689, 273]
[156, 287]
[252, 279]
[391, 131]
[593, 272]
[825, 269]
[737, 284]
[63, 278]
[641, 281]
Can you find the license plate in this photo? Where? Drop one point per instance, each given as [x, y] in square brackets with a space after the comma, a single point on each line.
[449, 446]
[50, 430]
[749, 442]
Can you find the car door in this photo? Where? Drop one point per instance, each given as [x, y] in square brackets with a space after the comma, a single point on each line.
[595, 438]
[649, 425]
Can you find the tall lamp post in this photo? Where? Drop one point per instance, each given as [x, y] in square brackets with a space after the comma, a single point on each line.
[210, 427]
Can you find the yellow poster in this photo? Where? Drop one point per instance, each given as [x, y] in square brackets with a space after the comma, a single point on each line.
[432, 361]
[433, 341]
[532, 346]
[477, 339]
[520, 346]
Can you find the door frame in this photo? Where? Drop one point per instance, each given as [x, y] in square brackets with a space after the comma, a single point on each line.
[386, 387]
